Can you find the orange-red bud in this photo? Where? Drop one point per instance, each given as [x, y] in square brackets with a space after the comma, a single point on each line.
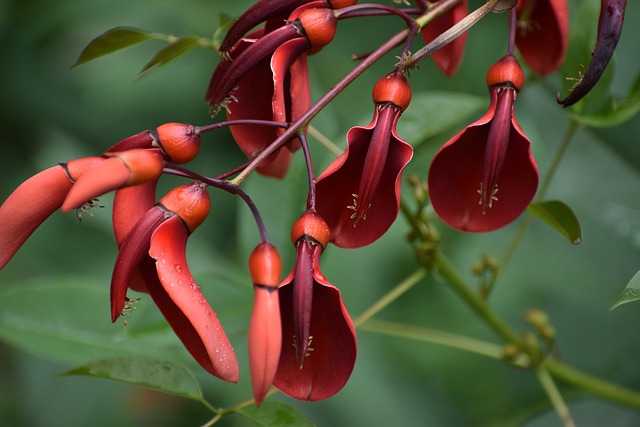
[265, 266]
[319, 25]
[179, 141]
[338, 4]
[190, 202]
[145, 165]
[311, 224]
[506, 70]
[393, 88]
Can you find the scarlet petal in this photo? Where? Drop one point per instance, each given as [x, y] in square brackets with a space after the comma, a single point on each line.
[543, 37]
[184, 306]
[341, 180]
[456, 173]
[265, 340]
[448, 58]
[333, 348]
[133, 252]
[109, 175]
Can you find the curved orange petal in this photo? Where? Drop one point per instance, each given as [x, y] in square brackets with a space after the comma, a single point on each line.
[184, 306]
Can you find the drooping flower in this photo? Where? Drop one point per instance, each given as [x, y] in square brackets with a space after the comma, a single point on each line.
[542, 33]
[609, 31]
[359, 193]
[319, 344]
[484, 177]
[265, 333]
[265, 77]
[448, 58]
[156, 246]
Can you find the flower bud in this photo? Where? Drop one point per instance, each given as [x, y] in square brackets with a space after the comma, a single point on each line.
[265, 265]
[311, 225]
[393, 88]
[319, 26]
[190, 202]
[179, 141]
[339, 4]
[506, 70]
[144, 165]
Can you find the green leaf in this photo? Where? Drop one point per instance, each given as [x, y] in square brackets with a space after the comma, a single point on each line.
[161, 375]
[559, 216]
[224, 23]
[110, 41]
[274, 414]
[170, 52]
[630, 294]
[614, 112]
[434, 112]
[67, 319]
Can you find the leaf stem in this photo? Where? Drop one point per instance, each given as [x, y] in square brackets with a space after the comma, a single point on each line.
[554, 395]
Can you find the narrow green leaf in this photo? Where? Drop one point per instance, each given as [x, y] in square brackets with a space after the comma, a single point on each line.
[161, 375]
[110, 41]
[224, 23]
[274, 414]
[170, 52]
[629, 294]
[559, 216]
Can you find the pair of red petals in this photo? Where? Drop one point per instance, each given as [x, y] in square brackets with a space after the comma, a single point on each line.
[542, 35]
[484, 177]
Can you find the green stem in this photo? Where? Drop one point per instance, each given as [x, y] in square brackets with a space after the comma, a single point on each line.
[324, 141]
[554, 396]
[479, 305]
[434, 336]
[593, 384]
[391, 296]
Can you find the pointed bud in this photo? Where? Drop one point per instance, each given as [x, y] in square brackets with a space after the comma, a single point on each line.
[127, 168]
[265, 332]
[179, 141]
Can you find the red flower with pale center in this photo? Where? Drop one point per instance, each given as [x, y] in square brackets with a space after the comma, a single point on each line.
[359, 193]
[319, 344]
[156, 246]
[484, 177]
[542, 34]
[448, 58]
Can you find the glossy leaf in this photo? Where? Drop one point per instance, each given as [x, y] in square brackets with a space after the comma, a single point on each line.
[170, 52]
[435, 112]
[161, 375]
[272, 414]
[630, 294]
[66, 319]
[559, 216]
[110, 41]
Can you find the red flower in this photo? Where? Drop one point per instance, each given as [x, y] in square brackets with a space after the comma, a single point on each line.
[542, 35]
[319, 341]
[448, 58]
[265, 334]
[485, 176]
[265, 77]
[359, 193]
[156, 246]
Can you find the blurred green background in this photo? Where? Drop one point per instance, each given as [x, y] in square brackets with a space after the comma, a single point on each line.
[54, 293]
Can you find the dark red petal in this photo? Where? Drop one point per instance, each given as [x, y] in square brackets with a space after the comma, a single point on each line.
[291, 91]
[341, 180]
[34, 201]
[133, 251]
[260, 12]
[448, 58]
[456, 173]
[184, 306]
[609, 31]
[332, 350]
[543, 37]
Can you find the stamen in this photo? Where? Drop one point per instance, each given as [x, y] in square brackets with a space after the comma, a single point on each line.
[354, 208]
[86, 208]
[491, 198]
